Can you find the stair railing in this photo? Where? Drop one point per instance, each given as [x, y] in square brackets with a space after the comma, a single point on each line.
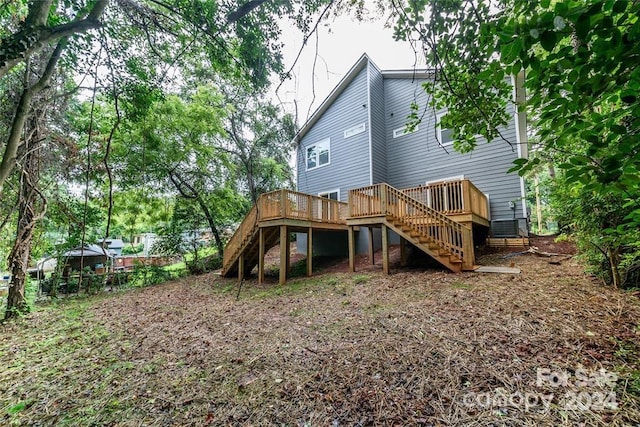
[246, 228]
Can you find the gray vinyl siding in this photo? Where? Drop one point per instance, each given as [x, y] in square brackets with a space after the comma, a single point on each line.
[349, 157]
[415, 158]
[378, 137]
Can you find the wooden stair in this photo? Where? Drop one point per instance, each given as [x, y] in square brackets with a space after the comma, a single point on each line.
[426, 244]
[244, 237]
[445, 240]
[250, 248]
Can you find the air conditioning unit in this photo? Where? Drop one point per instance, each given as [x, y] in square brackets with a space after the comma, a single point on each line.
[503, 228]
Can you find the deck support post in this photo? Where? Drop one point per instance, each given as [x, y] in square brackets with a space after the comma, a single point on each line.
[385, 250]
[260, 256]
[403, 252]
[371, 251]
[284, 254]
[241, 266]
[352, 249]
[468, 261]
[309, 251]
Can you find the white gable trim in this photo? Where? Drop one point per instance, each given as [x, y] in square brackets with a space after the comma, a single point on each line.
[335, 93]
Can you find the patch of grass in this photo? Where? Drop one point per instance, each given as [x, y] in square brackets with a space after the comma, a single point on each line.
[342, 288]
[178, 266]
[292, 287]
[460, 285]
[19, 407]
[229, 288]
[297, 312]
[333, 281]
[373, 308]
[202, 253]
[360, 279]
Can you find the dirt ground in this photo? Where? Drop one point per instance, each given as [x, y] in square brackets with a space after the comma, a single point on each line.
[422, 346]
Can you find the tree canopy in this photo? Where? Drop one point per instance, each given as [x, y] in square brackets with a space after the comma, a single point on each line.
[134, 110]
[581, 65]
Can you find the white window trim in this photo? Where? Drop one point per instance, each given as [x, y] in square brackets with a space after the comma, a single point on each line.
[439, 129]
[355, 130]
[306, 155]
[337, 190]
[447, 179]
[397, 133]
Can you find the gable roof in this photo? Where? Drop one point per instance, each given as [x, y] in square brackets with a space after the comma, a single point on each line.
[335, 93]
[347, 79]
[86, 251]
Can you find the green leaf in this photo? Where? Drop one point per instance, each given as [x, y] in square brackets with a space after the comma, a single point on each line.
[548, 40]
[583, 26]
[561, 8]
[515, 168]
[620, 6]
[520, 161]
[628, 96]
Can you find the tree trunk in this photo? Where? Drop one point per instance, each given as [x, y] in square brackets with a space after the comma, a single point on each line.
[22, 112]
[212, 225]
[27, 220]
[614, 262]
[536, 181]
[34, 35]
[192, 193]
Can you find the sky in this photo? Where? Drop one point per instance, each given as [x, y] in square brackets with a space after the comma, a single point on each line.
[341, 42]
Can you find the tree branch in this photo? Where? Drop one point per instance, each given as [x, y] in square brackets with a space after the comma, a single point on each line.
[22, 111]
[34, 36]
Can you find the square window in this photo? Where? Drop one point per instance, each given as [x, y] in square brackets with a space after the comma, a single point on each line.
[318, 154]
[446, 136]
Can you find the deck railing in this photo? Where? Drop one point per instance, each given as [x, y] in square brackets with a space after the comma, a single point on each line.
[382, 199]
[452, 197]
[294, 205]
[284, 204]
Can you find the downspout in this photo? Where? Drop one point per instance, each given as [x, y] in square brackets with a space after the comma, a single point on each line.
[520, 116]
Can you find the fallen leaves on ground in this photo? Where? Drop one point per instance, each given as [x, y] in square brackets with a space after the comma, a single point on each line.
[418, 347]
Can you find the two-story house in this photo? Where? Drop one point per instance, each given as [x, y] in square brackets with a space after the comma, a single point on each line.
[358, 137]
[365, 181]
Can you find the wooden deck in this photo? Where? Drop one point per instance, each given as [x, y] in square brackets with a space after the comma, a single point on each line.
[460, 200]
[436, 218]
[270, 222]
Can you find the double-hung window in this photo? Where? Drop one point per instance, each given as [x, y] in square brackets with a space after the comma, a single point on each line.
[318, 154]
